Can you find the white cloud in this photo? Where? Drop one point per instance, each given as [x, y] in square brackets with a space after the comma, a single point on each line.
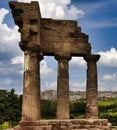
[3, 12]
[74, 13]
[107, 85]
[9, 37]
[79, 61]
[49, 85]
[107, 82]
[45, 70]
[17, 60]
[58, 9]
[114, 88]
[20, 71]
[78, 86]
[102, 86]
[5, 69]
[109, 77]
[8, 81]
[109, 58]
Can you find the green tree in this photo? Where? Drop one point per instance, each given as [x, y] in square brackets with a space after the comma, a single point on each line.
[13, 107]
[48, 109]
[10, 107]
[77, 108]
[3, 96]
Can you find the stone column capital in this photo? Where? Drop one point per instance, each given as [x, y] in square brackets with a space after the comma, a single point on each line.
[33, 54]
[93, 58]
[60, 57]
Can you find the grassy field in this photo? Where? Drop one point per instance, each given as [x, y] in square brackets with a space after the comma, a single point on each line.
[107, 102]
[108, 110]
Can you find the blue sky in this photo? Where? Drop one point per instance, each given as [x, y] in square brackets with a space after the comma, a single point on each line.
[97, 18]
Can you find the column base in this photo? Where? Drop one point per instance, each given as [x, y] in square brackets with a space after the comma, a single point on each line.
[71, 124]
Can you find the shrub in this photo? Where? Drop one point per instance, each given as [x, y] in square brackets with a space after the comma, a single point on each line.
[112, 118]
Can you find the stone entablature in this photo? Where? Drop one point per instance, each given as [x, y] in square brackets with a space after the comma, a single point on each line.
[62, 36]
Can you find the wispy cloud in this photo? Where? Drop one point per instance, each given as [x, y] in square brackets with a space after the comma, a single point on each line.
[17, 60]
[99, 14]
[8, 81]
[107, 23]
[91, 7]
[77, 86]
[107, 82]
[49, 85]
[45, 70]
[109, 77]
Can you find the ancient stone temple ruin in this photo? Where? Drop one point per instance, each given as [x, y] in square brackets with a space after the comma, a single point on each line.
[62, 39]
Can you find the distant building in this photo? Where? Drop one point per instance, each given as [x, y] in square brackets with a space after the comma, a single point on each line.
[49, 95]
[107, 94]
[76, 95]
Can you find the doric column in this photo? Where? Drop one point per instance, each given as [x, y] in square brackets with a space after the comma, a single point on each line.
[63, 111]
[92, 87]
[27, 16]
[31, 86]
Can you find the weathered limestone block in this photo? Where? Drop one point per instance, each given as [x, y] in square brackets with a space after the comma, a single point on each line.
[27, 16]
[75, 124]
[63, 36]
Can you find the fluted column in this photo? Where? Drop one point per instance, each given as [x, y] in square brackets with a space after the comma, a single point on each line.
[31, 87]
[92, 87]
[63, 111]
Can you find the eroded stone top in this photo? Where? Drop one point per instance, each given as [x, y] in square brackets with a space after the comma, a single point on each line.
[49, 36]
